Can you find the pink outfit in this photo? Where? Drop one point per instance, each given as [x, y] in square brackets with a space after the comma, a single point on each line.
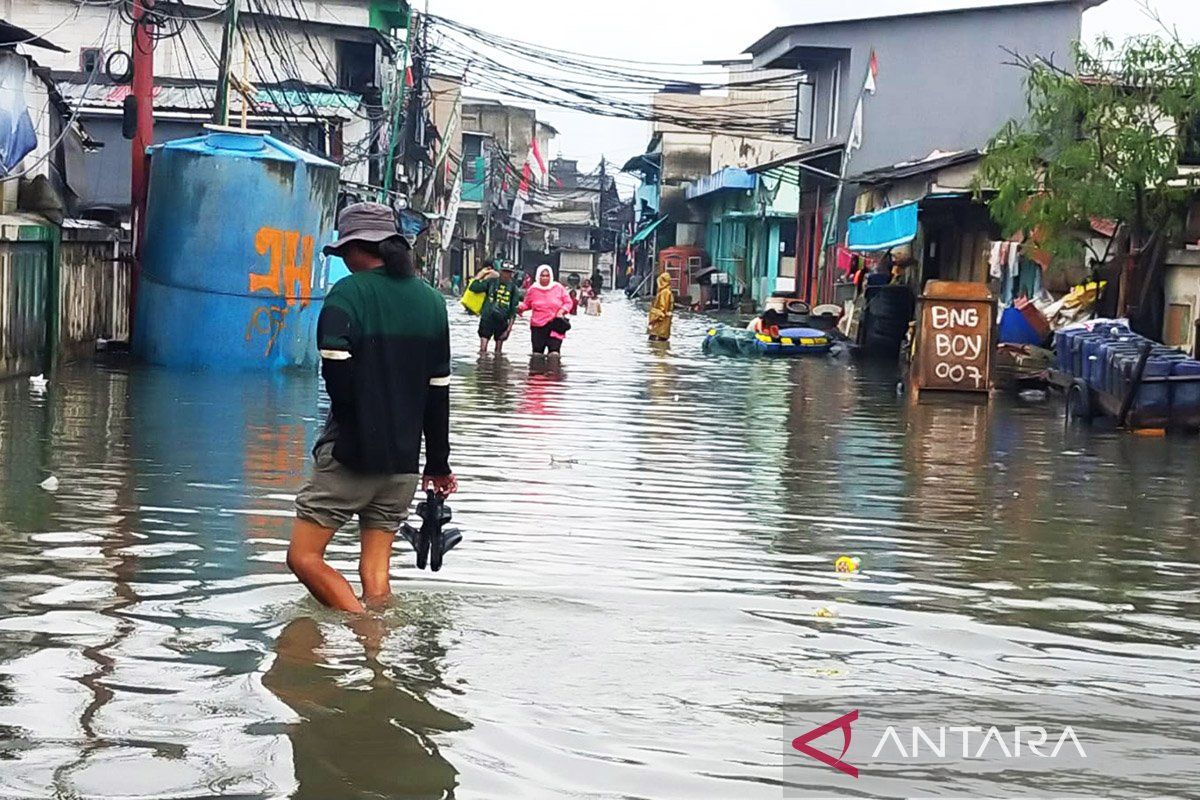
[545, 301]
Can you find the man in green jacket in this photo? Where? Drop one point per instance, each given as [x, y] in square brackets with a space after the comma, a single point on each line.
[500, 308]
[384, 342]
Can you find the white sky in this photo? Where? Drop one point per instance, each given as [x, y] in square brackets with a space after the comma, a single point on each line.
[685, 31]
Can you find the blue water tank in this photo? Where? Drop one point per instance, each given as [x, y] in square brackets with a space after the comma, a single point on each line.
[232, 276]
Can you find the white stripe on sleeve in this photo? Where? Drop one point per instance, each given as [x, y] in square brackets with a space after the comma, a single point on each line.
[443, 381]
[335, 355]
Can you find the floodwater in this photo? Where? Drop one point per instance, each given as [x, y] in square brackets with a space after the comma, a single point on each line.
[650, 535]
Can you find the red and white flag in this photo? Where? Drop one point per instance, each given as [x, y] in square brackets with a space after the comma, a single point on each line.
[537, 164]
[872, 73]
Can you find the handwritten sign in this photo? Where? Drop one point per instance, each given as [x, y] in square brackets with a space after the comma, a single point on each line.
[954, 338]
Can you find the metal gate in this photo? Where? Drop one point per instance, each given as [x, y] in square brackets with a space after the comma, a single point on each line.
[24, 285]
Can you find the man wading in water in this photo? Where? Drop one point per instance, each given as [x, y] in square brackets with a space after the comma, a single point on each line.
[385, 357]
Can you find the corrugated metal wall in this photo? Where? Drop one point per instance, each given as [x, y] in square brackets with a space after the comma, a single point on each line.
[24, 283]
[94, 302]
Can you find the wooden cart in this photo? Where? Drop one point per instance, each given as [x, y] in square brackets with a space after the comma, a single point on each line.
[1085, 402]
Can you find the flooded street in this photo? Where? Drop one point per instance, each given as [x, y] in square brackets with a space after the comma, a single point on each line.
[650, 535]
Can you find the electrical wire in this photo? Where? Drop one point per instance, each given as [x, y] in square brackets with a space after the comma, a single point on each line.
[758, 104]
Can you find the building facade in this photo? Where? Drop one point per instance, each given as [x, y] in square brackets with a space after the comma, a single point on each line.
[888, 90]
[63, 282]
[318, 69]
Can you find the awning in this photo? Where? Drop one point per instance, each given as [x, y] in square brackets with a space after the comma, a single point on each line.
[883, 230]
[646, 231]
[727, 178]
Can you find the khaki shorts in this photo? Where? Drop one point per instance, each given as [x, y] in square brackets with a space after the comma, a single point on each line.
[334, 494]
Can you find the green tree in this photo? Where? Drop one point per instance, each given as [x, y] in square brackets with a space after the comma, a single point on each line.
[1103, 141]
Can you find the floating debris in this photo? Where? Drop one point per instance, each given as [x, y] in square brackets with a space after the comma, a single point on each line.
[50, 484]
[38, 383]
[847, 564]
[827, 612]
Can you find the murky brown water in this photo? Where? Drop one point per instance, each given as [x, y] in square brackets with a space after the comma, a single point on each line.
[649, 537]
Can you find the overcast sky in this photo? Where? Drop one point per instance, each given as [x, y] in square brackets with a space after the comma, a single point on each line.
[681, 31]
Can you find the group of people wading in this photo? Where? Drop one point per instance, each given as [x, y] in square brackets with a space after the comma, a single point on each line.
[550, 303]
[384, 341]
[547, 301]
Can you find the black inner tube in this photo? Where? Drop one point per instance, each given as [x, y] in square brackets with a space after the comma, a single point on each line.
[125, 75]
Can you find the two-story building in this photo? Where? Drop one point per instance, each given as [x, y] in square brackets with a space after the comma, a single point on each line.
[318, 68]
[497, 139]
[894, 89]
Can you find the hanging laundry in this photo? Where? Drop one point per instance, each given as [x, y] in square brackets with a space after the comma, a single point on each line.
[845, 260]
[997, 256]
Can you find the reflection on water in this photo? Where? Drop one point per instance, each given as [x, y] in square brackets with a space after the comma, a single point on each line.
[364, 727]
[649, 535]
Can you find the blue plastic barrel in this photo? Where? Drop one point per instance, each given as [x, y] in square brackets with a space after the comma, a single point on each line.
[1113, 354]
[232, 277]
[1185, 397]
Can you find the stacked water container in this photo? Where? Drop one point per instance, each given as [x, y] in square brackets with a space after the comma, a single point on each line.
[1106, 357]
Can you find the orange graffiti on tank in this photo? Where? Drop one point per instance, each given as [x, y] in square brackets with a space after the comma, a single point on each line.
[289, 277]
[290, 265]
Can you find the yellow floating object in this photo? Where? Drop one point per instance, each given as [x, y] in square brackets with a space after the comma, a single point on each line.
[827, 612]
[847, 564]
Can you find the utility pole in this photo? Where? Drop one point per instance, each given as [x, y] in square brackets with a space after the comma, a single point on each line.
[221, 103]
[399, 84]
[143, 136]
[603, 226]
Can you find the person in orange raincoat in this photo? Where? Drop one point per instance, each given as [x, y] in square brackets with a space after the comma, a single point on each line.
[662, 311]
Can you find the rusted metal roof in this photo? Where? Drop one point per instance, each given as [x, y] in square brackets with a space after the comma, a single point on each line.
[935, 161]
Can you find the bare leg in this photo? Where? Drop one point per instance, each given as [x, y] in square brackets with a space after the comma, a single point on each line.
[306, 558]
[374, 566]
[483, 346]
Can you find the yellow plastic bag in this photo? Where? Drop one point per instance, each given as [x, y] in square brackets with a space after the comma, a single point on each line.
[473, 301]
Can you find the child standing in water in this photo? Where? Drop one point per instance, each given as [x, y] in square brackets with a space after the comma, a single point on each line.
[662, 311]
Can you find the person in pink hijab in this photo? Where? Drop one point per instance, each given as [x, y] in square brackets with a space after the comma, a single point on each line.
[549, 301]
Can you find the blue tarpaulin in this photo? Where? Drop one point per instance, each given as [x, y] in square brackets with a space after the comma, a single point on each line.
[17, 136]
[883, 230]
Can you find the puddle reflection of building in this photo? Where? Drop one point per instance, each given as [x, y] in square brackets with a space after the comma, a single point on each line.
[81, 430]
[213, 446]
[842, 457]
[948, 452]
[364, 739]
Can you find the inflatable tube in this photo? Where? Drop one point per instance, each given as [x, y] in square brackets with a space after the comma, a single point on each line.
[794, 341]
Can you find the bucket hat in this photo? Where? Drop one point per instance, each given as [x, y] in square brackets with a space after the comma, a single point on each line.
[364, 222]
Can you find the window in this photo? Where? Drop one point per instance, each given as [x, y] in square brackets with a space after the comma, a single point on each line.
[835, 91]
[806, 92]
[91, 60]
[355, 66]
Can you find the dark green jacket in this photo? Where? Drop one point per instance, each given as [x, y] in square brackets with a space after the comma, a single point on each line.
[502, 298]
[385, 357]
